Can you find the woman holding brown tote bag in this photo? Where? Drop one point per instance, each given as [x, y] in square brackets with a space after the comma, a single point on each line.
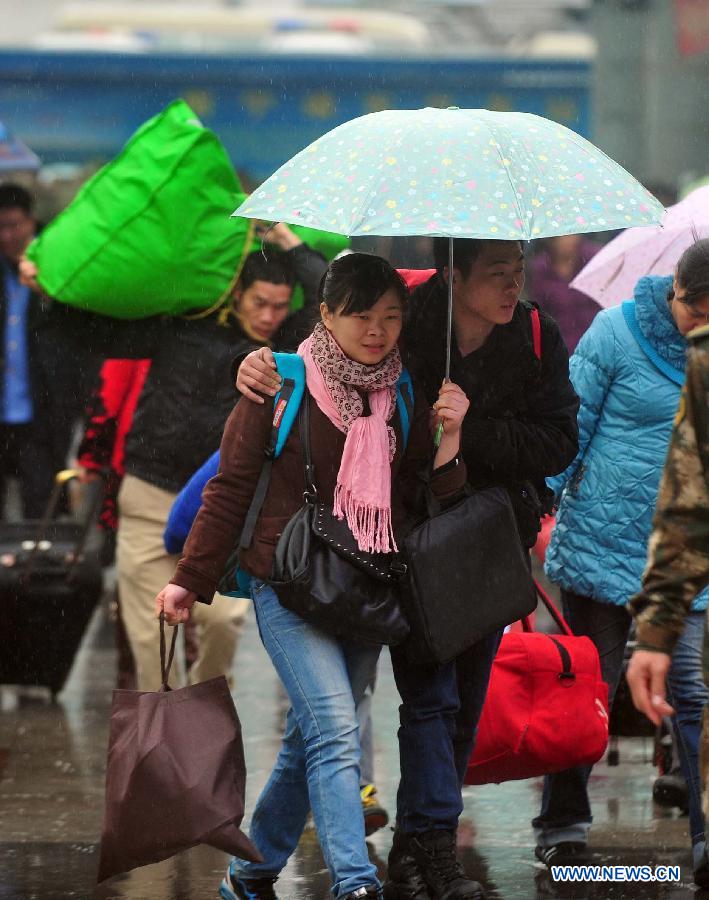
[362, 469]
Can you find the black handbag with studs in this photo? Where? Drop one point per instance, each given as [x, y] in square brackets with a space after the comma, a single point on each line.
[320, 573]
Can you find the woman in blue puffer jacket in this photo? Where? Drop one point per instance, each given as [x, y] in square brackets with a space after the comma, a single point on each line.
[627, 370]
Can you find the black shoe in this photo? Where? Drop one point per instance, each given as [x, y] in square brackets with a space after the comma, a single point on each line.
[405, 881]
[371, 891]
[435, 855]
[567, 853]
[671, 790]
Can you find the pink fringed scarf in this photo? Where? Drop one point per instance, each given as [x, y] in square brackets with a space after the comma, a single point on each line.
[363, 490]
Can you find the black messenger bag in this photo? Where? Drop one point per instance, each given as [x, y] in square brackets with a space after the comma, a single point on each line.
[467, 575]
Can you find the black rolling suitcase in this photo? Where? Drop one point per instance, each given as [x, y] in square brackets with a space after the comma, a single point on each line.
[49, 588]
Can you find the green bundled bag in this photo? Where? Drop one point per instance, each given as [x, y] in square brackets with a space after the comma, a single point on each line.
[151, 232]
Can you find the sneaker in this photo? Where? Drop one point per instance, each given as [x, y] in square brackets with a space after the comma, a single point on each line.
[700, 865]
[234, 888]
[567, 853]
[435, 854]
[375, 816]
[370, 891]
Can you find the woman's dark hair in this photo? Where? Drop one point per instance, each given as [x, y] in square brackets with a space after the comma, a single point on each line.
[693, 271]
[355, 282]
[275, 268]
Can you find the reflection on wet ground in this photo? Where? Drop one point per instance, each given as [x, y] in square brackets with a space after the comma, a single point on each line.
[51, 792]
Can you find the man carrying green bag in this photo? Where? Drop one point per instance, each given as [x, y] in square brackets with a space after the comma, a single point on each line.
[188, 395]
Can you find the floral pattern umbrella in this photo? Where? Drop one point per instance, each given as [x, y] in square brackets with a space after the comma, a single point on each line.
[466, 173]
[457, 173]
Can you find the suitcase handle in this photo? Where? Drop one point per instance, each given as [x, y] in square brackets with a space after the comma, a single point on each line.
[60, 479]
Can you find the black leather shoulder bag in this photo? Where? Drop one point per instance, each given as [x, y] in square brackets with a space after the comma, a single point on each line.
[468, 575]
[320, 573]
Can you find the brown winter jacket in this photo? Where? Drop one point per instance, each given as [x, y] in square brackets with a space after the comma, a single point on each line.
[227, 496]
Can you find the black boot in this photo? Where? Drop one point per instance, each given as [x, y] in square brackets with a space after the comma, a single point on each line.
[434, 853]
[405, 881]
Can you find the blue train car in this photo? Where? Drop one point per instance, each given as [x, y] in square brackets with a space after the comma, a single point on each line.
[83, 106]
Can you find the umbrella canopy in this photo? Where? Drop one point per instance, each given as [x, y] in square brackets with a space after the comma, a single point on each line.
[612, 274]
[14, 155]
[455, 173]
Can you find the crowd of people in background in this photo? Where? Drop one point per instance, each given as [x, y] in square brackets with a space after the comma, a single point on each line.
[587, 440]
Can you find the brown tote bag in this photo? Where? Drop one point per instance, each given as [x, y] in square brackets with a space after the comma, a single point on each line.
[175, 776]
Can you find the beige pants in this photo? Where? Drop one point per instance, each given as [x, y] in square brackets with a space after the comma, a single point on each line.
[144, 568]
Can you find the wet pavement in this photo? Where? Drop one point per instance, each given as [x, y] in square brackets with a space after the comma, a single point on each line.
[51, 792]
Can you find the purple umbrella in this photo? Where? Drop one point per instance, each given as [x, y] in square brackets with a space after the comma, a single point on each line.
[612, 274]
[14, 155]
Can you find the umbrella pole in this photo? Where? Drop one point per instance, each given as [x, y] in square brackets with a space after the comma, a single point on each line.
[449, 334]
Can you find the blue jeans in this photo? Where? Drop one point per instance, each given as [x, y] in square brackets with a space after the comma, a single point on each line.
[318, 764]
[439, 714]
[688, 695]
[566, 810]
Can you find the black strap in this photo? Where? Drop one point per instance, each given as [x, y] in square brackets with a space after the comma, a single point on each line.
[165, 668]
[404, 387]
[257, 501]
[311, 493]
[566, 674]
[264, 479]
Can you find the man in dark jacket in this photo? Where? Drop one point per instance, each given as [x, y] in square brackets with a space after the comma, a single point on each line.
[520, 428]
[42, 385]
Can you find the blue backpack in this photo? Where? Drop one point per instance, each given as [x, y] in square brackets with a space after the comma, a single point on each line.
[286, 403]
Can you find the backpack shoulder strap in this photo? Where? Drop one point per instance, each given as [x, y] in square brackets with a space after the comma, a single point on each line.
[536, 332]
[286, 403]
[405, 403]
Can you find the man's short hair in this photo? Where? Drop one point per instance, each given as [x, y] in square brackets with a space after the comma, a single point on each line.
[273, 266]
[14, 196]
[465, 252]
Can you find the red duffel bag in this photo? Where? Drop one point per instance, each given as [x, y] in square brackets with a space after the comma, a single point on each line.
[546, 708]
